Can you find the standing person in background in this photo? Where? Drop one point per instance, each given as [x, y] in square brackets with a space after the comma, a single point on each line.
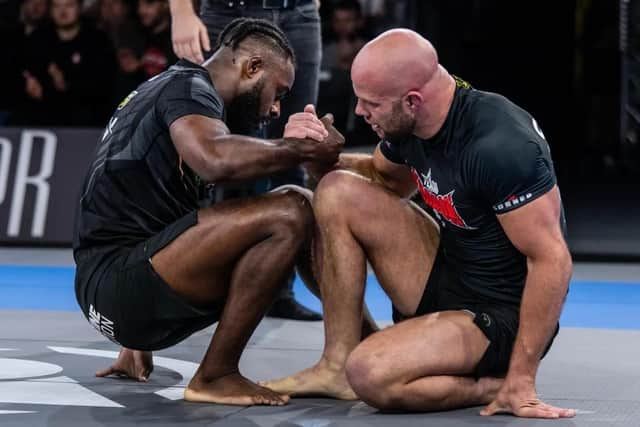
[118, 19]
[194, 39]
[156, 20]
[68, 71]
[13, 35]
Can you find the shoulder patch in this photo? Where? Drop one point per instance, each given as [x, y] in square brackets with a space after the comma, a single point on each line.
[126, 100]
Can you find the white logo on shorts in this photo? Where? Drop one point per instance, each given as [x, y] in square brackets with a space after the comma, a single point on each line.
[101, 323]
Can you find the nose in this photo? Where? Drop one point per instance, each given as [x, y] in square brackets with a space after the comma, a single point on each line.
[359, 110]
[274, 113]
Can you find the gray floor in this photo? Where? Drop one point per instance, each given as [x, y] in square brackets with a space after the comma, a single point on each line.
[47, 360]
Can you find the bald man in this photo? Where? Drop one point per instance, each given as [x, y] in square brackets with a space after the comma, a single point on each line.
[477, 290]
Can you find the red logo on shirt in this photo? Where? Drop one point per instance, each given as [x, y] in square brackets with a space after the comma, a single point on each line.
[442, 205]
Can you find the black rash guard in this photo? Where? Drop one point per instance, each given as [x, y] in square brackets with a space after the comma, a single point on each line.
[490, 157]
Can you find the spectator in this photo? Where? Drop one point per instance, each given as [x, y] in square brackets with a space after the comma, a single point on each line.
[68, 71]
[116, 18]
[32, 14]
[346, 27]
[158, 52]
[13, 33]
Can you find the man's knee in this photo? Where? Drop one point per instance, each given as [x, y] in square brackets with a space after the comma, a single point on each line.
[337, 191]
[294, 215]
[371, 380]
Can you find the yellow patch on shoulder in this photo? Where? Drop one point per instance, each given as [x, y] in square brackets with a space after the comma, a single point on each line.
[127, 99]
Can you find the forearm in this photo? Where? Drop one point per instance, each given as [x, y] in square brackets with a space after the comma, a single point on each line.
[365, 165]
[238, 158]
[360, 163]
[544, 294]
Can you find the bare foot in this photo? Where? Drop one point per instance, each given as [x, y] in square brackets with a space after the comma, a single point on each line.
[319, 380]
[232, 389]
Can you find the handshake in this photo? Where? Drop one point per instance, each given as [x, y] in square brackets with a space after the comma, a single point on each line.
[316, 139]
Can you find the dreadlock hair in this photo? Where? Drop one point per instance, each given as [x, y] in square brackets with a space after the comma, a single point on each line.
[261, 30]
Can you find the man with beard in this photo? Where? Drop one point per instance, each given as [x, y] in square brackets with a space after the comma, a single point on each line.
[153, 268]
[480, 300]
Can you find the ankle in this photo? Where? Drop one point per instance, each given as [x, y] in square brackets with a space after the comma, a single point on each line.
[211, 375]
[332, 364]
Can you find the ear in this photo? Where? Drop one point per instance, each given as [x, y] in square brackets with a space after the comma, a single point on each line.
[253, 66]
[413, 99]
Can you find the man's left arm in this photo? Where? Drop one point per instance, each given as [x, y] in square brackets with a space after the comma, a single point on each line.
[534, 229]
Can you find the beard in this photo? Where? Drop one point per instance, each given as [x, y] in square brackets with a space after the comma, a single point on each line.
[243, 114]
[401, 126]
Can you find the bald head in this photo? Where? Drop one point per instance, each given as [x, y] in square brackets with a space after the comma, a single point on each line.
[395, 62]
[400, 86]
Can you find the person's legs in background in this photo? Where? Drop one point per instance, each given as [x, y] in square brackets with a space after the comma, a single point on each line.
[301, 25]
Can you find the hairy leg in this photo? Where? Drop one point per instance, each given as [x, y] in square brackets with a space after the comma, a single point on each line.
[423, 364]
[359, 221]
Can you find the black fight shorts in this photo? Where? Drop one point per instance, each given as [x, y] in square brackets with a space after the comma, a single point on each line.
[498, 322]
[124, 298]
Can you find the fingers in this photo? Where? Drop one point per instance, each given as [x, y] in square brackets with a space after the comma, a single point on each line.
[327, 119]
[492, 409]
[529, 410]
[106, 372]
[537, 412]
[187, 45]
[301, 132]
[196, 50]
[311, 109]
[204, 38]
[557, 412]
[307, 121]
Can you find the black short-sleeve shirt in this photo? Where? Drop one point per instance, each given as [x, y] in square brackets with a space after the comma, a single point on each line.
[489, 158]
[137, 183]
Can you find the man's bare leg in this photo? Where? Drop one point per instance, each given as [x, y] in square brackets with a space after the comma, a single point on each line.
[240, 252]
[423, 364]
[357, 221]
[305, 269]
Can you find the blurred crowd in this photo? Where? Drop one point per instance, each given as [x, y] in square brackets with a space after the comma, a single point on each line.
[70, 62]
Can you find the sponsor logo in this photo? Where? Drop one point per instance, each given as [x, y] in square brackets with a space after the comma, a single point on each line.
[36, 147]
[105, 326]
[442, 205]
[512, 201]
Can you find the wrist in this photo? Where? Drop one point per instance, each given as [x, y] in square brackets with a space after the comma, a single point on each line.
[181, 7]
[297, 148]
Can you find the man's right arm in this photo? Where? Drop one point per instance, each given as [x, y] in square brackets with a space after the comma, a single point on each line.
[206, 145]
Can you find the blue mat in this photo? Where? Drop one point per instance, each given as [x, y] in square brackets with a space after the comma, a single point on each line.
[589, 304]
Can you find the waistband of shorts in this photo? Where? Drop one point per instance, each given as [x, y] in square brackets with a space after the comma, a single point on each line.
[264, 4]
